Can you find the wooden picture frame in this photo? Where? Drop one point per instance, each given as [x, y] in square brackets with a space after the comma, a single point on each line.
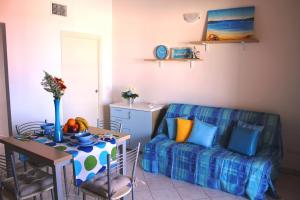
[181, 53]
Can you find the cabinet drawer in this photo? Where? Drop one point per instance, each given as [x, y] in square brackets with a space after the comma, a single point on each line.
[120, 113]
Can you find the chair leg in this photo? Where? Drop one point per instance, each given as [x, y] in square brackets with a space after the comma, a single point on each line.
[25, 166]
[132, 194]
[41, 196]
[52, 195]
[34, 198]
[78, 191]
[83, 195]
[65, 179]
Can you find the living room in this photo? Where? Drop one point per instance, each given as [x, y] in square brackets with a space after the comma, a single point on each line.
[262, 75]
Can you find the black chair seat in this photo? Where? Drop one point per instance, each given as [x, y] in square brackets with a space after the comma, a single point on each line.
[30, 182]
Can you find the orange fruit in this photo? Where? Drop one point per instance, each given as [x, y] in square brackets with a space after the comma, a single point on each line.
[65, 129]
[71, 122]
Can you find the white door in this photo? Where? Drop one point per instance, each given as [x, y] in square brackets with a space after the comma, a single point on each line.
[80, 71]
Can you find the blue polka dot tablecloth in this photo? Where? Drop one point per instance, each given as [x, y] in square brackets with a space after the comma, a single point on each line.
[88, 160]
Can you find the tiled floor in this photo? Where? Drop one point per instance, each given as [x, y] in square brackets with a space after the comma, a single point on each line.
[159, 187]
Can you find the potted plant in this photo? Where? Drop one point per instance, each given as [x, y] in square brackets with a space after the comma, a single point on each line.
[129, 95]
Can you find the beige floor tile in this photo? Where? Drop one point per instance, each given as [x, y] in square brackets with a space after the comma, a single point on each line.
[178, 184]
[159, 182]
[140, 195]
[165, 194]
[191, 193]
[212, 193]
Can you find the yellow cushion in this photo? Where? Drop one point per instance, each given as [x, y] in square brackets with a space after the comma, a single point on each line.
[184, 127]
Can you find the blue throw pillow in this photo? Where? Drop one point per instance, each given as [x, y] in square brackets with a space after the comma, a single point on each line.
[202, 133]
[172, 127]
[244, 140]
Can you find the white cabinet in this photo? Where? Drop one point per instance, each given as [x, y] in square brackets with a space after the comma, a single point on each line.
[138, 120]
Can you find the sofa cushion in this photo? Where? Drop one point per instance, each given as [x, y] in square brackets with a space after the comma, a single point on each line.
[172, 126]
[184, 127]
[244, 140]
[202, 133]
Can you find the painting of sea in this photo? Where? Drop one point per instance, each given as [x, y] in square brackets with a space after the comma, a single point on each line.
[230, 24]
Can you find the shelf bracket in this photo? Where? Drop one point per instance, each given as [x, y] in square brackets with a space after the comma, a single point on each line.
[191, 64]
[243, 43]
[205, 46]
[160, 64]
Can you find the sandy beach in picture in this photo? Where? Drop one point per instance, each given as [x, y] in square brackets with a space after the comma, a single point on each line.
[230, 24]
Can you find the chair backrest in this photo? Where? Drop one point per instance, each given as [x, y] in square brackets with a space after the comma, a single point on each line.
[117, 164]
[29, 127]
[111, 125]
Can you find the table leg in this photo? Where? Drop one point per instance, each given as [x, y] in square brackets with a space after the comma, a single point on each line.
[57, 181]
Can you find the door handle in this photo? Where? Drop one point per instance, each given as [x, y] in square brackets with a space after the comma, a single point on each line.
[96, 91]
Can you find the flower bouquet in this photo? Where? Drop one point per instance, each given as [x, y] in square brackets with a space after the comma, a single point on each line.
[57, 87]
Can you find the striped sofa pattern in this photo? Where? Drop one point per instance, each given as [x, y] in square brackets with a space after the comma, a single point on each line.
[218, 167]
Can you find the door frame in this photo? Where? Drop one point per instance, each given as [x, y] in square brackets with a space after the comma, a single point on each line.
[78, 35]
[2, 26]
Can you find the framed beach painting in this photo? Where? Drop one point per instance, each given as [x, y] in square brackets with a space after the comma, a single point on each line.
[230, 24]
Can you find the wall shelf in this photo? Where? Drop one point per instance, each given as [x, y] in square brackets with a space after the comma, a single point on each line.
[243, 42]
[160, 61]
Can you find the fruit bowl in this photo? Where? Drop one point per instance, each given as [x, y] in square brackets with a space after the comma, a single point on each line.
[84, 137]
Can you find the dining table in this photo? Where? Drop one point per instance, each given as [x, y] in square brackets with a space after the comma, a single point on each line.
[57, 158]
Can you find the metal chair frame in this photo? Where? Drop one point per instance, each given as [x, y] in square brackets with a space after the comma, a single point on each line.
[35, 126]
[12, 167]
[29, 127]
[115, 166]
[111, 125]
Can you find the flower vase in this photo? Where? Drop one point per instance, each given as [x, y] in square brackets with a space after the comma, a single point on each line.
[58, 135]
[130, 101]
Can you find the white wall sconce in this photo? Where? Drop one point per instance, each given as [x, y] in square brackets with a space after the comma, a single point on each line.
[191, 17]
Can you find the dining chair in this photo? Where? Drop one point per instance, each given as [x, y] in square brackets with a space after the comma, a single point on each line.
[27, 128]
[113, 185]
[35, 127]
[111, 125]
[26, 184]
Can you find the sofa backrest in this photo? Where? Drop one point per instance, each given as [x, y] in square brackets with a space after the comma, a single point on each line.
[226, 118]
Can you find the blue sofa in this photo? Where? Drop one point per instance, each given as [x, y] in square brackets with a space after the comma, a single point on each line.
[218, 167]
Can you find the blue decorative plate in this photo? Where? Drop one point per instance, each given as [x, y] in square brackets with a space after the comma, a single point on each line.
[161, 52]
[87, 144]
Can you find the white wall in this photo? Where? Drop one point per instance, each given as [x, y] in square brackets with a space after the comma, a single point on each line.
[263, 77]
[34, 45]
